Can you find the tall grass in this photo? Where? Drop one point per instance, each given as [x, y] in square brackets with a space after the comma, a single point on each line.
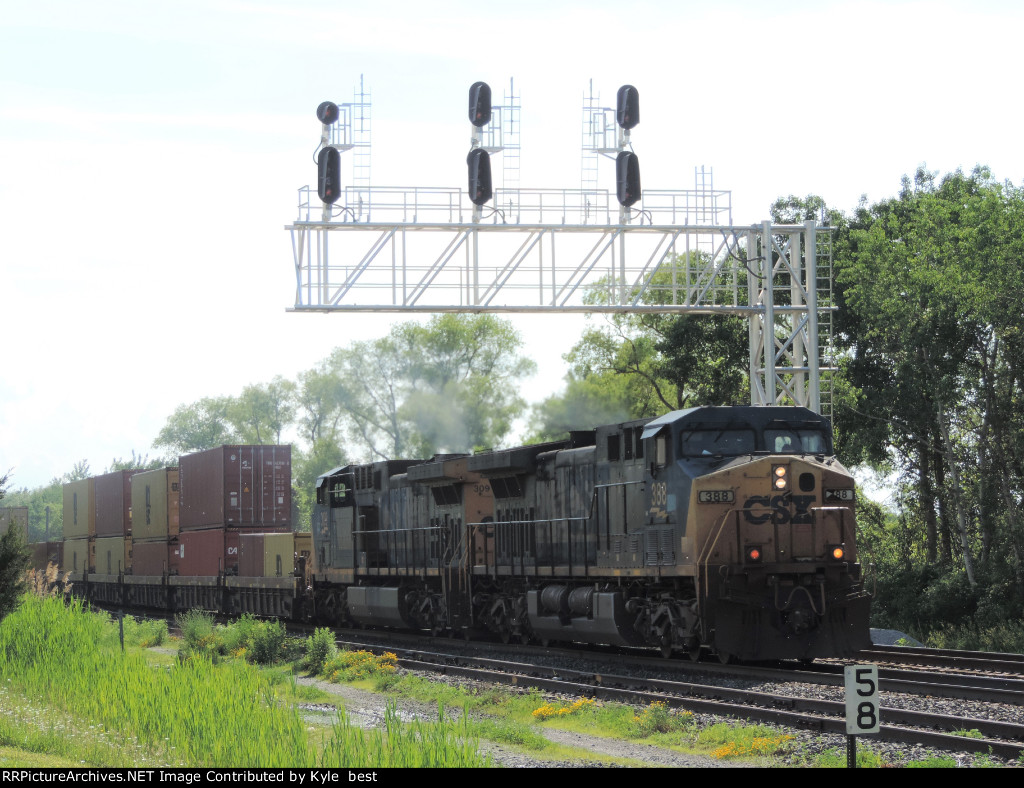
[195, 713]
[445, 743]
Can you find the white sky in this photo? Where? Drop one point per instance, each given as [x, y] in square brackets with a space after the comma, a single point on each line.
[150, 156]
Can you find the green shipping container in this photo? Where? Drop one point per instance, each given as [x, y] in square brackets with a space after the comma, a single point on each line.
[80, 510]
[155, 504]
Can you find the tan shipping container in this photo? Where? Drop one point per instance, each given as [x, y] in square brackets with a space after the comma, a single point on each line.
[112, 555]
[16, 514]
[79, 555]
[266, 555]
[155, 504]
[79, 510]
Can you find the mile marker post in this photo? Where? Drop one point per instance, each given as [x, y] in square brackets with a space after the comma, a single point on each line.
[861, 706]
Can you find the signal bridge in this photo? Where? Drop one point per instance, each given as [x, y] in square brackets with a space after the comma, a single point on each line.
[588, 250]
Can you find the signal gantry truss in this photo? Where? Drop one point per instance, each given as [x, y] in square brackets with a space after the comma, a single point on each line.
[413, 250]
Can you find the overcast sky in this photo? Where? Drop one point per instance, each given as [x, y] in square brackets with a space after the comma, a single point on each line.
[150, 156]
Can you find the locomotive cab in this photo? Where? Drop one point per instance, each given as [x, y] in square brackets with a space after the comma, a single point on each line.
[767, 530]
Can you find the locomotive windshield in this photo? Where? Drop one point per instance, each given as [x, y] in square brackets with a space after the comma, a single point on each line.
[729, 442]
[796, 441]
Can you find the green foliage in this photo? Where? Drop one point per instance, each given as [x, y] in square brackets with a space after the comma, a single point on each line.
[48, 498]
[657, 718]
[1006, 637]
[449, 385]
[136, 462]
[144, 633]
[643, 364]
[445, 743]
[114, 708]
[262, 642]
[266, 642]
[197, 427]
[933, 763]
[197, 636]
[194, 714]
[320, 649]
[262, 411]
[836, 759]
[348, 665]
[14, 562]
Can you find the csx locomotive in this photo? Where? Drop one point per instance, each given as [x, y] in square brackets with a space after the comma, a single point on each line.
[727, 529]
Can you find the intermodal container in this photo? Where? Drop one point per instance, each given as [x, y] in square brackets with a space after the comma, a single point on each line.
[112, 555]
[114, 503]
[236, 486]
[80, 510]
[211, 551]
[14, 514]
[154, 558]
[79, 554]
[155, 504]
[266, 555]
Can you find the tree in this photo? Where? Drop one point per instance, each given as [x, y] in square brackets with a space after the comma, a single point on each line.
[135, 462]
[197, 427]
[262, 411]
[14, 561]
[641, 365]
[932, 312]
[449, 385]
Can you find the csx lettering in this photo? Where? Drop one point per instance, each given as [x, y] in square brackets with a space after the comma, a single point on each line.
[779, 506]
[756, 500]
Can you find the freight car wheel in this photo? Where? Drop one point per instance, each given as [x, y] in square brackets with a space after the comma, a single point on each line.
[694, 653]
[666, 649]
[724, 657]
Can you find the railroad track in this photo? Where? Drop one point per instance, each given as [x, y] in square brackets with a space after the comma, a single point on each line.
[904, 726]
[946, 660]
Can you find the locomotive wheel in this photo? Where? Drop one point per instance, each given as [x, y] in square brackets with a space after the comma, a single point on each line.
[724, 657]
[694, 653]
[666, 650]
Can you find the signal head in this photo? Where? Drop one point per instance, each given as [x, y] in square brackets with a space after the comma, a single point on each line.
[627, 111]
[479, 162]
[627, 178]
[479, 104]
[328, 164]
[327, 113]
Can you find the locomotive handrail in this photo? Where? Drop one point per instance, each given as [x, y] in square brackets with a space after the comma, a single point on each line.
[704, 557]
[549, 521]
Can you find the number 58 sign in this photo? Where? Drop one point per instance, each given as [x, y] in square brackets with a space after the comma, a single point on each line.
[861, 699]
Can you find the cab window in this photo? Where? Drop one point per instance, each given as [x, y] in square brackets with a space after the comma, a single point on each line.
[717, 442]
[796, 441]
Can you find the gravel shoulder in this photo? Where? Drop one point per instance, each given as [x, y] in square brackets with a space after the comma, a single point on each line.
[366, 709]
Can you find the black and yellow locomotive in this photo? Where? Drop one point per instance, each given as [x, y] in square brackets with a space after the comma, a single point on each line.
[723, 528]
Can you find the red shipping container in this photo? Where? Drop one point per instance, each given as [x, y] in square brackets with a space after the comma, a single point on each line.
[114, 503]
[152, 559]
[207, 553]
[236, 486]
